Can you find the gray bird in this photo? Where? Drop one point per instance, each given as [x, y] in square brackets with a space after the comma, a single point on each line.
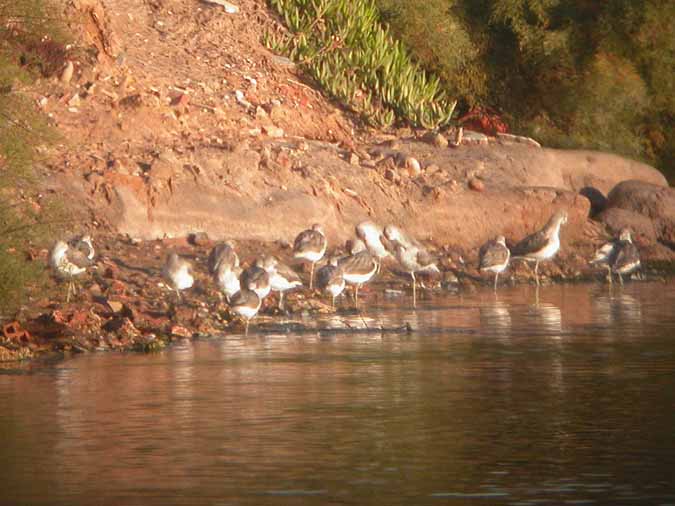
[543, 244]
[494, 257]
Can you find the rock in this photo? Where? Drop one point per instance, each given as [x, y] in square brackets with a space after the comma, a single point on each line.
[436, 139]
[273, 131]
[165, 166]
[517, 139]
[241, 99]
[412, 166]
[476, 184]
[392, 175]
[199, 239]
[229, 8]
[644, 201]
[471, 137]
[353, 159]
[180, 331]
[67, 73]
[597, 199]
[261, 113]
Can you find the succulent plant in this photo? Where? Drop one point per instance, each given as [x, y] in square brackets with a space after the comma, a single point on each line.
[342, 44]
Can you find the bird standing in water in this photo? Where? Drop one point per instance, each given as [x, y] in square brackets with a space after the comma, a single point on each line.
[245, 303]
[627, 257]
[358, 268]
[411, 255]
[329, 278]
[543, 244]
[494, 257]
[310, 245]
[282, 277]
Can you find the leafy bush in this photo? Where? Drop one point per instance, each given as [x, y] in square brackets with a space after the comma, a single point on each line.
[27, 49]
[344, 47]
[572, 73]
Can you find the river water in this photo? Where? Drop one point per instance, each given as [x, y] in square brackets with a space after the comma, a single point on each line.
[561, 396]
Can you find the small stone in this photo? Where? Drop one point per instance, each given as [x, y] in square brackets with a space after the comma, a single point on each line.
[353, 159]
[436, 139]
[412, 166]
[471, 137]
[518, 139]
[229, 8]
[273, 131]
[67, 73]
[179, 100]
[476, 184]
[260, 113]
[199, 239]
[432, 169]
[180, 331]
[74, 100]
[392, 175]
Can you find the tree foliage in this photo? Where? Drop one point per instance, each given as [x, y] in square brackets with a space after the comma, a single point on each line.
[573, 73]
[30, 45]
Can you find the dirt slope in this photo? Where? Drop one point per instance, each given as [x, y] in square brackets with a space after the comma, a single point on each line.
[178, 120]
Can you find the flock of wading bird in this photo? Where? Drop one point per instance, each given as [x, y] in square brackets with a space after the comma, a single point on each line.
[246, 288]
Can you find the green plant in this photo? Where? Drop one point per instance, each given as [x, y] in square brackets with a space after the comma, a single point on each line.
[344, 47]
[27, 49]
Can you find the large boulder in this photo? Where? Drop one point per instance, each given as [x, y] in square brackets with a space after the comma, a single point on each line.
[647, 208]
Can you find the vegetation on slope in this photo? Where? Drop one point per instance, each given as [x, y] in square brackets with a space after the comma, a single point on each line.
[29, 47]
[571, 73]
[344, 47]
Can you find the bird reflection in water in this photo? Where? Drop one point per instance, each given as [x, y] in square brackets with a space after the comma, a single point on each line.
[617, 307]
[547, 316]
[496, 317]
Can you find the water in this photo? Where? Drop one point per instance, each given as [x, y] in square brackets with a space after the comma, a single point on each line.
[564, 398]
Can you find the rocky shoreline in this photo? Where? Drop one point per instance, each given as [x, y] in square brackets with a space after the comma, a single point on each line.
[124, 305]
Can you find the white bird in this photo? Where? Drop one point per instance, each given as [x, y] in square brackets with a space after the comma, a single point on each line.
[223, 265]
[246, 304]
[178, 272]
[256, 279]
[282, 277]
[330, 279]
[627, 257]
[310, 245]
[371, 235]
[72, 259]
[412, 256]
[606, 254]
[358, 268]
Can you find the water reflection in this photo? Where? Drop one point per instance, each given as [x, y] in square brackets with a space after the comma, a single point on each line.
[522, 398]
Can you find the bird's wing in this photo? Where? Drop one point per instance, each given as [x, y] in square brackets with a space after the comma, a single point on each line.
[424, 258]
[78, 258]
[627, 256]
[288, 273]
[492, 254]
[360, 264]
[531, 243]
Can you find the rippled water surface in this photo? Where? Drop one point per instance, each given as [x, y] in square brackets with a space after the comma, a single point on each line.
[562, 397]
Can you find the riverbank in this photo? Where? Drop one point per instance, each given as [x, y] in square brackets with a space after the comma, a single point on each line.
[124, 305]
